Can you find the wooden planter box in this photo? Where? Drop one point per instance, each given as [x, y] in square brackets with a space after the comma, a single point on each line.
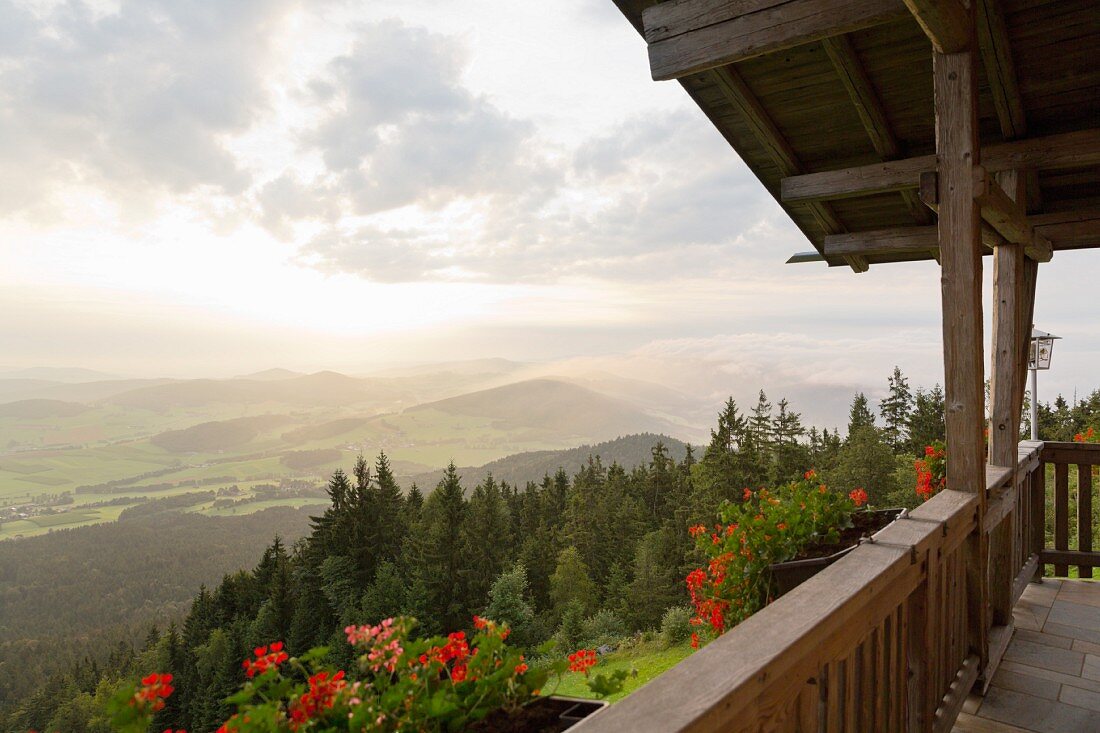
[788, 575]
[547, 715]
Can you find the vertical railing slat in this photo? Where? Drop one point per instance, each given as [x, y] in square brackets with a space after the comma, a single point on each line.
[1084, 515]
[1061, 514]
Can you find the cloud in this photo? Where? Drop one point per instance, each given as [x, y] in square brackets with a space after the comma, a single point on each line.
[655, 198]
[406, 130]
[137, 99]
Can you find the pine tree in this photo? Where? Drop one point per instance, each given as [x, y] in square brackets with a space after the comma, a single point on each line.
[860, 415]
[721, 473]
[571, 583]
[896, 409]
[926, 422]
[441, 562]
[486, 542]
[509, 603]
[791, 457]
[389, 509]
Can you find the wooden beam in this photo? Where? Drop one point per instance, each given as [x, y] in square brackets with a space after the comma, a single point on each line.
[955, 81]
[738, 94]
[1000, 69]
[1065, 230]
[870, 110]
[689, 36]
[894, 241]
[998, 208]
[947, 23]
[1055, 152]
[1070, 229]
[1007, 216]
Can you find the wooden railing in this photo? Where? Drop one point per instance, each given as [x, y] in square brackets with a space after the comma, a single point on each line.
[892, 637]
[1079, 462]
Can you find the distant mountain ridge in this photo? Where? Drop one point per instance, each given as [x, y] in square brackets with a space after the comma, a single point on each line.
[555, 405]
[628, 451]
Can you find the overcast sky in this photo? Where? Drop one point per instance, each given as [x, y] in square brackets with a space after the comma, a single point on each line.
[204, 187]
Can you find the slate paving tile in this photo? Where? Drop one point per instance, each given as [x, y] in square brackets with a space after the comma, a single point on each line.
[1077, 615]
[1072, 632]
[1087, 647]
[1065, 661]
[1046, 674]
[1042, 594]
[1035, 713]
[1082, 592]
[1082, 699]
[1091, 670]
[968, 723]
[1030, 684]
[1062, 642]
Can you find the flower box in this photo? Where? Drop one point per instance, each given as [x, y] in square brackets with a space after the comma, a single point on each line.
[548, 715]
[814, 559]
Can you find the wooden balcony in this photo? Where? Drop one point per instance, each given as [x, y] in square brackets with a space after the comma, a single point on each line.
[900, 633]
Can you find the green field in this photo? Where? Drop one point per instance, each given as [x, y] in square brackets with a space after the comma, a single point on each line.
[644, 662]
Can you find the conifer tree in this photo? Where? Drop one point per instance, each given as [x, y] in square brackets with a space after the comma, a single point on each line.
[389, 510]
[896, 409]
[860, 415]
[791, 457]
[509, 603]
[571, 583]
[441, 561]
[486, 542]
[926, 421]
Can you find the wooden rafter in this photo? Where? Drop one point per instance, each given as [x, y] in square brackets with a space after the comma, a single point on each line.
[870, 110]
[1000, 69]
[1053, 152]
[689, 36]
[739, 95]
[947, 23]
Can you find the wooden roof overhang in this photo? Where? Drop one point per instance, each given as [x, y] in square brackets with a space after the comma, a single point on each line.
[830, 103]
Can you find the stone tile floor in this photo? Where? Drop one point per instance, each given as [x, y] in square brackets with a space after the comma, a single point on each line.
[1049, 680]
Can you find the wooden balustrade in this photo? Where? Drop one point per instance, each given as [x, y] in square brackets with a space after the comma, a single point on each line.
[1077, 461]
[884, 639]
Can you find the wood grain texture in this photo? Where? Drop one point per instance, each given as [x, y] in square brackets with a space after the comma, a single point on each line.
[1061, 514]
[947, 23]
[1051, 153]
[1000, 70]
[1084, 515]
[697, 35]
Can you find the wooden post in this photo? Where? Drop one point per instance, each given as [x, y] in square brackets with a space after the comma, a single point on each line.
[1005, 377]
[956, 102]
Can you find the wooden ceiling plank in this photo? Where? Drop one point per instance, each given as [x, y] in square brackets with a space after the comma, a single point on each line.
[996, 52]
[1054, 152]
[947, 23]
[871, 113]
[738, 94]
[692, 36]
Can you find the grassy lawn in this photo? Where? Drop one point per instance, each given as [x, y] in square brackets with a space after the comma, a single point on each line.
[648, 660]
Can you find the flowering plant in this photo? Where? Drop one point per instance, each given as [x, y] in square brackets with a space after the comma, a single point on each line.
[766, 527]
[399, 683]
[1088, 436]
[932, 470]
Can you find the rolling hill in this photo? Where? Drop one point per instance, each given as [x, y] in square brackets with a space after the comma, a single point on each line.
[628, 451]
[552, 406]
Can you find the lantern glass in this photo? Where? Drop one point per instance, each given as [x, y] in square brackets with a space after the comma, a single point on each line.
[1039, 357]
